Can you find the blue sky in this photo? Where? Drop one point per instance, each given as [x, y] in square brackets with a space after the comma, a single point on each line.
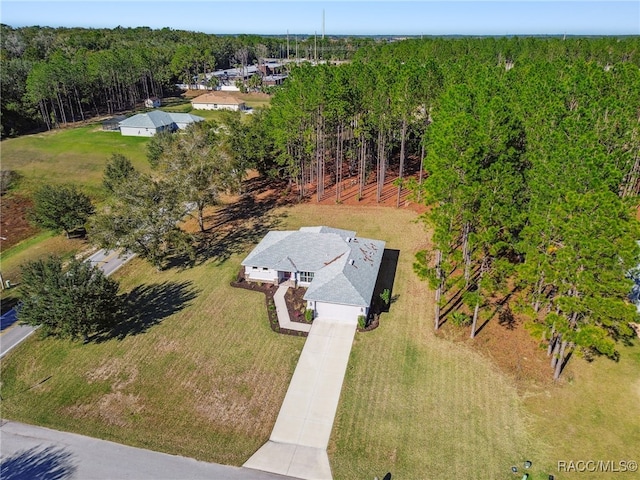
[417, 17]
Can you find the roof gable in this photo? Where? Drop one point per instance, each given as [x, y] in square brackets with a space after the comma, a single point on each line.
[185, 118]
[154, 119]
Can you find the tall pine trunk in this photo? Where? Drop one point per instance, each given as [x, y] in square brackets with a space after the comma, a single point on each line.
[439, 288]
[363, 168]
[338, 163]
[556, 350]
[474, 324]
[402, 153]
[420, 173]
[560, 361]
[466, 254]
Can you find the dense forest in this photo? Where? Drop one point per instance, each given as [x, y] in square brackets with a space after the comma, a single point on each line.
[529, 161]
[52, 76]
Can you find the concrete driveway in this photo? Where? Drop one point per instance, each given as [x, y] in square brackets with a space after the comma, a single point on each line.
[28, 452]
[298, 443]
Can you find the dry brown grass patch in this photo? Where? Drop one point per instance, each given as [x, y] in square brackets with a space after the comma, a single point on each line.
[116, 370]
[114, 409]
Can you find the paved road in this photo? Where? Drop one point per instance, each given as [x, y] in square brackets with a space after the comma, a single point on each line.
[29, 452]
[13, 335]
[110, 261]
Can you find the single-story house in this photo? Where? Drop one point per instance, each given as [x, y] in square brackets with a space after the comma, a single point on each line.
[339, 269]
[217, 101]
[148, 124]
[152, 102]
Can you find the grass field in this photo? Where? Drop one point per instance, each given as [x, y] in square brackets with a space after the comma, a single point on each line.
[199, 373]
[69, 155]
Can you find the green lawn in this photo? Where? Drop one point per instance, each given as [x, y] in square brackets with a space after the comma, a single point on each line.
[69, 155]
[205, 377]
[206, 380]
[593, 415]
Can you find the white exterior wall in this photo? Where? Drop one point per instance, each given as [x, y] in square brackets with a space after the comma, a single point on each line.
[260, 275]
[215, 106]
[137, 132]
[348, 313]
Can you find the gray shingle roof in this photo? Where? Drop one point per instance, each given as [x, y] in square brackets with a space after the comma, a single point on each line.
[345, 267]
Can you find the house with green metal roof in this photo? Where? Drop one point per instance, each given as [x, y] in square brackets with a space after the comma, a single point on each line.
[338, 268]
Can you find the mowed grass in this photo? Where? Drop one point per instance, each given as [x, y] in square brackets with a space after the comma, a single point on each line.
[593, 415]
[37, 247]
[412, 404]
[207, 380]
[76, 155]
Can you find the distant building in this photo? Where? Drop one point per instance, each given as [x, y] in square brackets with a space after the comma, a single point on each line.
[148, 124]
[152, 102]
[218, 101]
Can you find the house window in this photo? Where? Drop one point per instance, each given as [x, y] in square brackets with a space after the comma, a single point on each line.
[254, 268]
[306, 277]
[264, 269]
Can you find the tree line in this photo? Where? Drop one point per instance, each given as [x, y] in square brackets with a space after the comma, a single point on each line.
[53, 76]
[529, 153]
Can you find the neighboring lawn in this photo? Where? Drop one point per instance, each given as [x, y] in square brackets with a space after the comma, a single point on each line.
[69, 155]
[255, 100]
[39, 246]
[206, 381]
[201, 374]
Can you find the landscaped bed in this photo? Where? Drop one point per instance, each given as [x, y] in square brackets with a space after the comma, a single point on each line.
[269, 291]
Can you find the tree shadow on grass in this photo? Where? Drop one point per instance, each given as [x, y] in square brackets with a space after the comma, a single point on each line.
[237, 227]
[148, 305]
[37, 463]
